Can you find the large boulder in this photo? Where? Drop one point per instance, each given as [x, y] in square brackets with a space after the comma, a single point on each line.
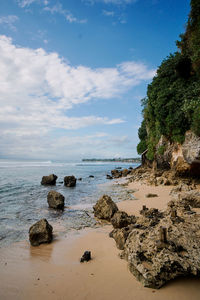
[70, 181]
[55, 200]
[165, 251]
[121, 219]
[40, 232]
[105, 208]
[50, 179]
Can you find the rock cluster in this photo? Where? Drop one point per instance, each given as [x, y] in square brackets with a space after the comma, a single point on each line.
[49, 180]
[40, 232]
[55, 200]
[160, 246]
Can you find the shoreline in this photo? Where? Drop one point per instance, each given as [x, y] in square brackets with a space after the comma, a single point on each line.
[54, 270]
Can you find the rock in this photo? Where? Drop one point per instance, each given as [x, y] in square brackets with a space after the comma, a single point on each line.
[55, 200]
[121, 219]
[109, 177]
[151, 195]
[70, 181]
[125, 172]
[105, 208]
[80, 179]
[86, 256]
[116, 173]
[40, 232]
[156, 256]
[191, 148]
[191, 198]
[182, 187]
[91, 176]
[50, 179]
[120, 236]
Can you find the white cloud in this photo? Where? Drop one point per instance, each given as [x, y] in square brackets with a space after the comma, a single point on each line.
[26, 3]
[108, 13]
[58, 8]
[37, 89]
[9, 21]
[114, 2]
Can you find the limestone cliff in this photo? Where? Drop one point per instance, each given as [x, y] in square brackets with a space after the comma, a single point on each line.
[184, 158]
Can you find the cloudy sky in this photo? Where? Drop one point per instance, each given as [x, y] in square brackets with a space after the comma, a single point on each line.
[73, 72]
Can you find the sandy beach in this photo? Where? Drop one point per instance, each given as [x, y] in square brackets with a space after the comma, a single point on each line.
[53, 271]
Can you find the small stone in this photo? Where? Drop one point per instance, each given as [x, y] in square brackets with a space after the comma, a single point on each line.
[86, 256]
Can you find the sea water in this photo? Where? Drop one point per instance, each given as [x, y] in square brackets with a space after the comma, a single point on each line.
[23, 200]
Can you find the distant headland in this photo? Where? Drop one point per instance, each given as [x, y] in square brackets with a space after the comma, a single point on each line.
[129, 160]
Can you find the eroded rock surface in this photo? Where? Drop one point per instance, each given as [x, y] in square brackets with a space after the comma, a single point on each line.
[40, 232]
[55, 200]
[105, 208]
[49, 180]
[121, 219]
[70, 181]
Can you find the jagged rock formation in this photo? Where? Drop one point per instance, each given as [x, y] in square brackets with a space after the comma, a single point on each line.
[55, 200]
[105, 208]
[161, 246]
[49, 180]
[40, 232]
[183, 159]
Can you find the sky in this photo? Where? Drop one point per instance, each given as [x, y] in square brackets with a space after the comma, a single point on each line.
[73, 73]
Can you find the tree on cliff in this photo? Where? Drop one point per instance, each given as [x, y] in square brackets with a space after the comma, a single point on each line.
[172, 105]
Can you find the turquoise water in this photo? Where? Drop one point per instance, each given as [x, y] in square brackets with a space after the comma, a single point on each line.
[23, 200]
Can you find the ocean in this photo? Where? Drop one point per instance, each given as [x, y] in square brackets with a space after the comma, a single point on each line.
[23, 200]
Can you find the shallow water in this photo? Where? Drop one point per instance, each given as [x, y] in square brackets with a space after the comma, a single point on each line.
[23, 200]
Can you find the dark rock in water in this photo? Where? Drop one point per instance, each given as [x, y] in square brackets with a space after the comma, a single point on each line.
[116, 173]
[70, 181]
[61, 182]
[105, 208]
[121, 219]
[80, 179]
[40, 232]
[130, 168]
[86, 256]
[55, 200]
[150, 195]
[50, 179]
[109, 177]
[118, 168]
[91, 176]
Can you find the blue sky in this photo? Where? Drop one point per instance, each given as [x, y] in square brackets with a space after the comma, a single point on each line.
[73, 73]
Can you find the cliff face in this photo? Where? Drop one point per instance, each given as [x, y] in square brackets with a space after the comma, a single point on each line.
[184, 158]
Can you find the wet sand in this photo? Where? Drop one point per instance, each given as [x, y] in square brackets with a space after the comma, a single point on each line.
[54, 272]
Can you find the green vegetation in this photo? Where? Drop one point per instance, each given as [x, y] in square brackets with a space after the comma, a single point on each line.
[172, 105]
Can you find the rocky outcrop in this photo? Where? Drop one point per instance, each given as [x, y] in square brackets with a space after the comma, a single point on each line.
[49, 180]
[159, 254]
[191, 148]
[161, 246]
[55, 200]
[121, 219]
[70, 181]
[120, 236]
[184, 158]
[40, 232]
[116, 173]
[105, 208]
